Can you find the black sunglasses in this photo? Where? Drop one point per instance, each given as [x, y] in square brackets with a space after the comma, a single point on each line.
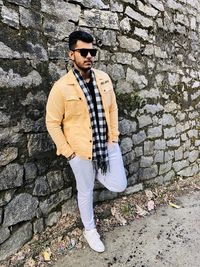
[84, 51]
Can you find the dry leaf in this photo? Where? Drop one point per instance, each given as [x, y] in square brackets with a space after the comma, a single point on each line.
[174, 205]
[149, 194]
[47, 254]
[118, 216]
[30, 263]
[150, 205]
[141, 211]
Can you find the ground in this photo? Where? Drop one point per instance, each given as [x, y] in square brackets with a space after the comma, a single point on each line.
[154, 228]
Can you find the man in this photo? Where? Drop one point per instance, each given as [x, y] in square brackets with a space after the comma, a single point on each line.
[82, 120]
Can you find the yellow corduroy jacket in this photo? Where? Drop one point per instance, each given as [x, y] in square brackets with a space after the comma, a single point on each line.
[68, 119]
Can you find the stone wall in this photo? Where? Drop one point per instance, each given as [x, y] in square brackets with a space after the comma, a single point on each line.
[150, 48]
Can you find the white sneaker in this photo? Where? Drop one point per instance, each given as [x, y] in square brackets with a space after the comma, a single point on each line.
[93, 239]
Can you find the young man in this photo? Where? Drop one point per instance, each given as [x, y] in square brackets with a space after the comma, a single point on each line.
[82, 120]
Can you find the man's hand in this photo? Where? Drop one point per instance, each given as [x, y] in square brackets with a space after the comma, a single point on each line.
[72, 156]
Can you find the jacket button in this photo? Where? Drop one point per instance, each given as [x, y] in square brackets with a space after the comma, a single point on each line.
[80, 98]
[89, 157]
[90, 141]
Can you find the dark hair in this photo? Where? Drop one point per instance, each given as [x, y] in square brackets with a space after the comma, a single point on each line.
[79, 36]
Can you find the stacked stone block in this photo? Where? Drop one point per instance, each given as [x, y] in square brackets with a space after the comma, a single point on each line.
[151, 51]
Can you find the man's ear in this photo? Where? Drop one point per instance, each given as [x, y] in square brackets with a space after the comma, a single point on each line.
[71, 55]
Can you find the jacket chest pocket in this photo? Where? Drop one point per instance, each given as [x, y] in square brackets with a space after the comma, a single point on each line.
[74, 105]
[107, 94]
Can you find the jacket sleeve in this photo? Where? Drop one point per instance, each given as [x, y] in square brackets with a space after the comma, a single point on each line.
[55, 110]
[114, 116]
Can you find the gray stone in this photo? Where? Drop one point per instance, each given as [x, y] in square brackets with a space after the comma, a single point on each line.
[139, 137]
[168, 120]
[127, 126]
[124, 87]
[173, 143]
[35, 52]
[103, 195]
[123, 58]
[116, 71]
[129, 157]
[126, 145]
[25, 3]
[148, 173]
[155, 132]
[132, 180]
[4, 234]
[133, 167]
[70, 206]
[98, 4]
[148, 148]
[30, 171]
[148, 10]
[10, 136]
[57, 50]
[193, 155]
[56, 70]
[138, 151]
[169, 155]
[6, 196]
[109, 38]
[159, 156]
[131, 45]
[10, 17]
[189, 171]
[41, 187]
[179, 165]
[11, 176]
[99, 19]
[141, 33]
[193, 133]
[12, 80]
[160, 144]
[116, 6]
[7, 52]
[52, 218]
[38, 144]
[197, 142]
[64, 11]
[8, 155]
[125, 25]
[55, 180]
[16, 241]
[133, 189]
[144, 120]
[30, 18]
[4, 119]
[168, 177]
[179, 154]
[21, 208]
[38, 226]
[146, 161]
[54, 200]
[165, 167]
[133, 77]
[58, 28]
[157, 4]
[145, 22]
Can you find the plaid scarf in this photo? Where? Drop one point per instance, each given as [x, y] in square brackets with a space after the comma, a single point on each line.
[99, 150]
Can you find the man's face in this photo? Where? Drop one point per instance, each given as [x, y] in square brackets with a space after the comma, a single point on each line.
[82, 62]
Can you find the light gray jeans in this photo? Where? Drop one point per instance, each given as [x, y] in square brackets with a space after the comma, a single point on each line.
[114, 180]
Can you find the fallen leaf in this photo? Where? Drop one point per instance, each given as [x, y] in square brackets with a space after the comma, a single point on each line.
[149, 194]
[174, 205]
[47, 254]
[141, 211]
[118, 216]
[150, 205]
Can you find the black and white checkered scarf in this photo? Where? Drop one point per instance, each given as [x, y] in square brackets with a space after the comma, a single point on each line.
[99, 151]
